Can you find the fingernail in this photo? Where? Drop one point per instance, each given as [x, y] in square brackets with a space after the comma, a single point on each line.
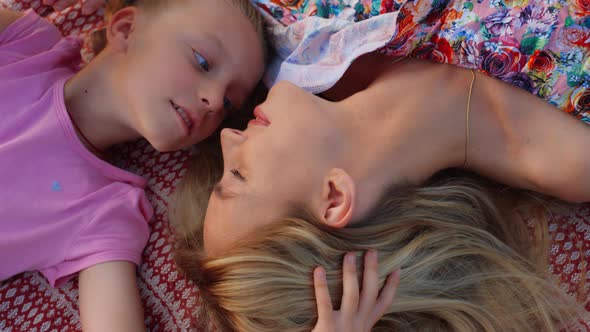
[351, 258]
[320, 273]
[372, 253]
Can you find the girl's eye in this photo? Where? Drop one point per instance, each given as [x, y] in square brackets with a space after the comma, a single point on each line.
[203, 63]
[237, 174]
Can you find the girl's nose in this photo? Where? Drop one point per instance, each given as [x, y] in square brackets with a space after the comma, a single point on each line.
[212, 99]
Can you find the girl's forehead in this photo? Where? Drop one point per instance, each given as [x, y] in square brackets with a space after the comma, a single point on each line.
[215, 14]
[213, 7]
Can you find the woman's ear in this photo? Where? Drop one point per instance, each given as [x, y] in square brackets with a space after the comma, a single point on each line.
[120, 26]
[336, 202]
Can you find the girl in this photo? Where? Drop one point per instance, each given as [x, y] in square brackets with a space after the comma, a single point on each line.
[171, 72]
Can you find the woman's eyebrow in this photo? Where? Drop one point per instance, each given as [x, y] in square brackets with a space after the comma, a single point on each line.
[222, 193]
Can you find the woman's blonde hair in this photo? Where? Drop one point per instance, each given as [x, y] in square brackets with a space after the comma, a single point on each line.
[466, 264]
[98, 37]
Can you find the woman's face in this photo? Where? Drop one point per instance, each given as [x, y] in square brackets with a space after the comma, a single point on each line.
[277, 162]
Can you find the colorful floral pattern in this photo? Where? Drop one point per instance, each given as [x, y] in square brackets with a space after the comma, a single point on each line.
[28, 303]
[541, 46]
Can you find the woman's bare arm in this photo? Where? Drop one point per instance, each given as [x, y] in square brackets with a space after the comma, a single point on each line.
[514, 137]
[522, 140]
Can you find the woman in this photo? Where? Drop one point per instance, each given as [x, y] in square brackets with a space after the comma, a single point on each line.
[311, 179]
[356, 162]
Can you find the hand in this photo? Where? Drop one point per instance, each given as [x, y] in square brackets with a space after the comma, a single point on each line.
[353, 315]
[88, 6]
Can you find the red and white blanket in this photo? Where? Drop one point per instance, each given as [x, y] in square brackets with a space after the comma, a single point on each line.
[28, 303]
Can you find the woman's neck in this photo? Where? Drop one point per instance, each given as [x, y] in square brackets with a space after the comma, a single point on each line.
[404, 126]
[94, 105]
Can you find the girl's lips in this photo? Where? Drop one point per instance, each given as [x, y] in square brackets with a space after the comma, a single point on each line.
[181, 121]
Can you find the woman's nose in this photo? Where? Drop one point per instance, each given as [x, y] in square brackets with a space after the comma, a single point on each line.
[231, 138]
[283, 88]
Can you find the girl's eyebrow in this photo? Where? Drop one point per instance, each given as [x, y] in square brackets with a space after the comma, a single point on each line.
[213, 42]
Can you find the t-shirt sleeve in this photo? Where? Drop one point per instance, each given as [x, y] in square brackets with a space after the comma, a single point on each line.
[27, 36]
[118, 232]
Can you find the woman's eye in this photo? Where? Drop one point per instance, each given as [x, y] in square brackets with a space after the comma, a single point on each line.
[203, 63]
[237, 174]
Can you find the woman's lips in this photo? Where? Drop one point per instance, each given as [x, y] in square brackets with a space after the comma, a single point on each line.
[260, 118]
[256, 122]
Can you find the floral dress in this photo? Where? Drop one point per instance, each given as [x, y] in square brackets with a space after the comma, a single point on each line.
[541, 46]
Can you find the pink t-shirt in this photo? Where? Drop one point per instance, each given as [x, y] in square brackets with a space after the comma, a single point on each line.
[61, 208]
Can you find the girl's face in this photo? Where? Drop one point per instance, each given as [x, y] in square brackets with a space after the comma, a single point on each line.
[186, 67]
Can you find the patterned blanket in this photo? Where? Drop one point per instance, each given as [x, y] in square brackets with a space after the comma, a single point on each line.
[28, 303]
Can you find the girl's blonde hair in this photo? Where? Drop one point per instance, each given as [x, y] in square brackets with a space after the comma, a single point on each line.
[98, 38]
[466, 264]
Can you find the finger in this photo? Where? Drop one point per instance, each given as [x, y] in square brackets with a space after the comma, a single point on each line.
[90, 6]
[322, 297]
[386, 296]
[350, 294]
[370, 289]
